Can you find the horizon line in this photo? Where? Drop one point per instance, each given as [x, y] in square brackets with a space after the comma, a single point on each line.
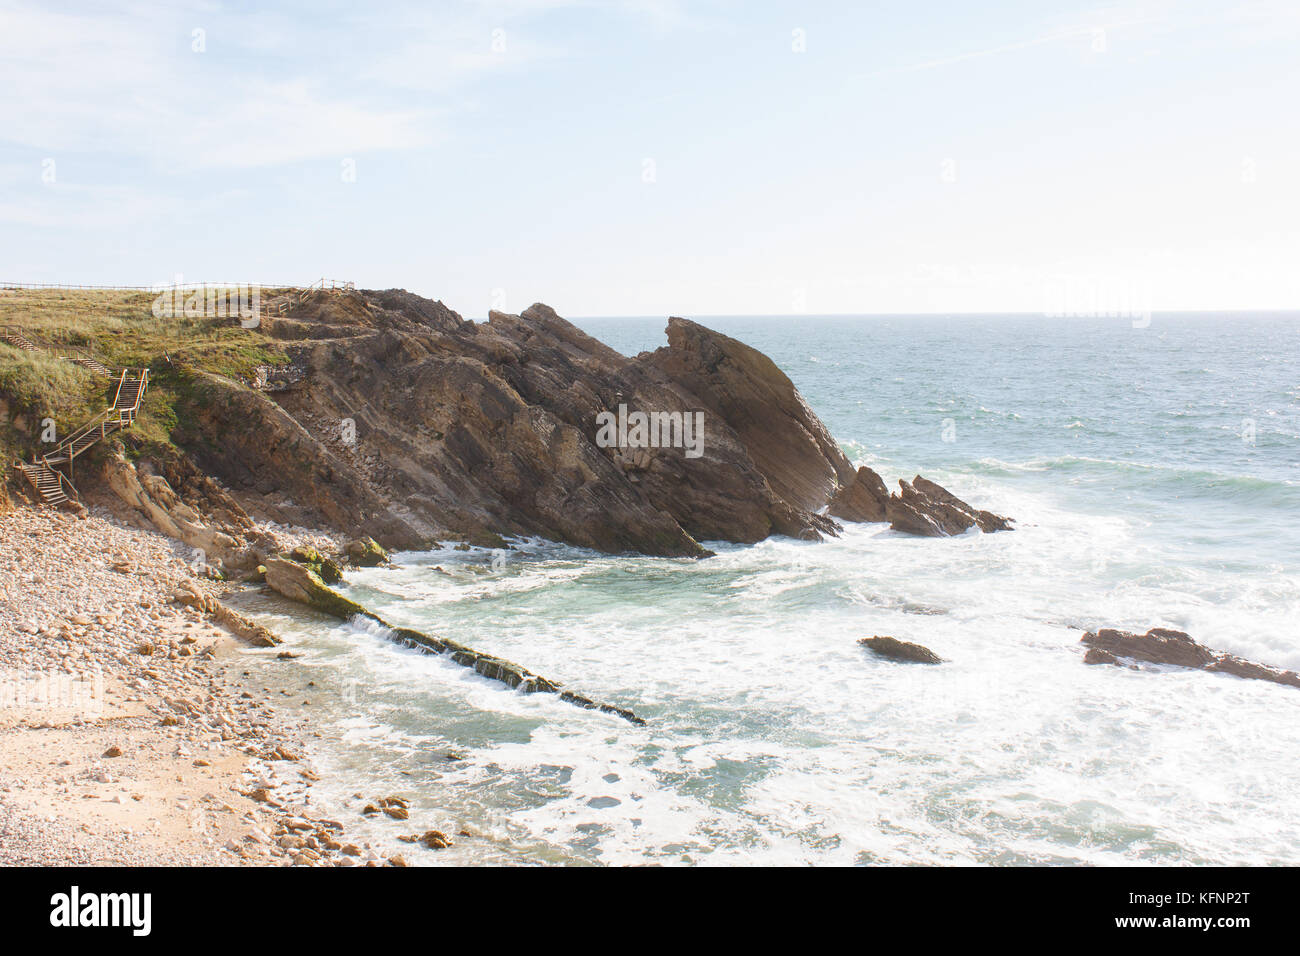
[159, 287]
[946, 312]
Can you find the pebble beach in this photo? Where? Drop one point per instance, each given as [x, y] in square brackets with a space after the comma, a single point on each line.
[130, 733]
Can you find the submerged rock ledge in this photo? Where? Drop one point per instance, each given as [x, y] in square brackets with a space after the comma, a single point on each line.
[299, 582]
[1163, 645]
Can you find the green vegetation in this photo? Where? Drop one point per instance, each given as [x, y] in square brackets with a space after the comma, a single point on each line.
[119, 329]
[35, 387]
[41, 385]
[366, 553]
[324, 568]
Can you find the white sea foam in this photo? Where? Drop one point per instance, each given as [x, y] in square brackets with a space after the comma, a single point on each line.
[773, 737]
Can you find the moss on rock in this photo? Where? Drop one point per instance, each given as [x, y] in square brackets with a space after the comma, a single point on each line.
[327, 569]
[300, 582]
[366, 553]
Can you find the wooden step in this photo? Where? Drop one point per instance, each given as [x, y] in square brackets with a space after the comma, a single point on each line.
[46, 482]
[122, 415]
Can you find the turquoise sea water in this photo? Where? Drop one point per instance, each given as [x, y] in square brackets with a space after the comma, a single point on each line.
[1155, 475]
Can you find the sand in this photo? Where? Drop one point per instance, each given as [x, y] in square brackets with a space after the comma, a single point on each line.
[126, 737]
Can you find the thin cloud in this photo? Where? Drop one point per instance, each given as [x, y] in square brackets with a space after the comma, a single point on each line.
[213, 87]
[1057, 36]
[110, 83]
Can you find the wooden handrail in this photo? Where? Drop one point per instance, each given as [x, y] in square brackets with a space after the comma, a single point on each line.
[123, 415]
[37, 471]
[73, 353]
[70, 442]
[327, 285]
[120, 382]
[70, 490]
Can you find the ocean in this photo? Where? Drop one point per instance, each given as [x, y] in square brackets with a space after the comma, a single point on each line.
[1154, 474]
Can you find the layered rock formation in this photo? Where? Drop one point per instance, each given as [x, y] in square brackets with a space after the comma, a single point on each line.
[785, 440]
[174, 497]
[405, 424]
[862, 499]
[921, 507]
[190, 595]
[226, 537]
[412, 425]
[1162, 645]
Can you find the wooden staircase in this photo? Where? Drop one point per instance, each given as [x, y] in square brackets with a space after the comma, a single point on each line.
[42, 472]
[131, 387]
[50, 483]
[83, 357]
[21, 339]
[130, 392]
[53, 486]
[278, 306]
[15, 337]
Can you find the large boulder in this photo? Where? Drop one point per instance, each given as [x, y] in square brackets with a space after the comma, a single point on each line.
[924, 507]
[1159, 645]
[906, 517]
[299, 582]
[326, 568]
[365, 553]
[987, 521]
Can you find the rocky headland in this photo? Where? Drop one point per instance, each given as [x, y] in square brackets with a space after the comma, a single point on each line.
[412, 425]
[391, 416]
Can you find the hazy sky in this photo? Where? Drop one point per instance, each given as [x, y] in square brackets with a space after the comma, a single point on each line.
[651, 157]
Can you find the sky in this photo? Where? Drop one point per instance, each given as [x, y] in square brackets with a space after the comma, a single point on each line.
[652, 157]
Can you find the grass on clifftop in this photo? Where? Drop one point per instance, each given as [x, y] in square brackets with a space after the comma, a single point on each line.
[44, 385]
[120, 329]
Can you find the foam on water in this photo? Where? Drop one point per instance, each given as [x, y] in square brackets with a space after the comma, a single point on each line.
[773, 737]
